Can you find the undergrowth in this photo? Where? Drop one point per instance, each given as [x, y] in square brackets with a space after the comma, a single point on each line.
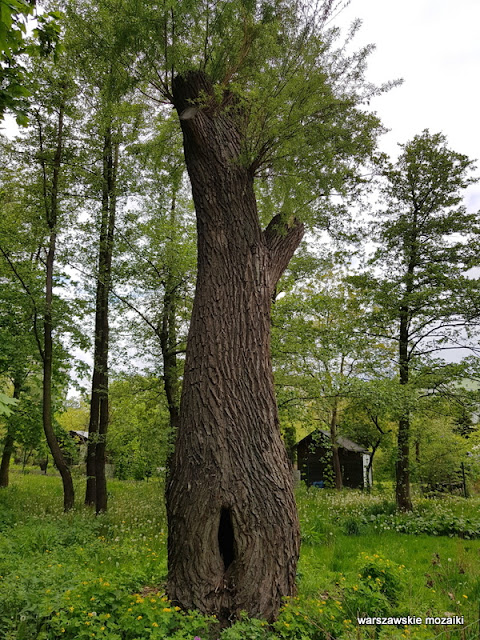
[77, 576]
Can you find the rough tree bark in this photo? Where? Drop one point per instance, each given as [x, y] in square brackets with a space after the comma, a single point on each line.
[233, 530]
[50, 192]
[96, 491]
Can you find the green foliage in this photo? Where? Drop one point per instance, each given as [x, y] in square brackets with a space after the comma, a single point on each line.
[139, 433]
[248, 628]
[71, 575]
[324, 362]
[426, 244]
[384, 575]
[6, 404]
[14, 85]
[285, 78]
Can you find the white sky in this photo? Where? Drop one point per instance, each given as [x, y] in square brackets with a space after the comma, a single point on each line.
[434, 45]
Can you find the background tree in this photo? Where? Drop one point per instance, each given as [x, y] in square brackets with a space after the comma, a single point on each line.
[39, 159]
[425, 247]
[139, 438]
[320, 351]
[158, 271]
[107, 87]
[18, 352]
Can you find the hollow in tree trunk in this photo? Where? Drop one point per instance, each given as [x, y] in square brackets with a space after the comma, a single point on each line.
[233, 530]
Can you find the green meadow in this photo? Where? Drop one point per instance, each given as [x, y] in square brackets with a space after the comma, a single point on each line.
[78, 576]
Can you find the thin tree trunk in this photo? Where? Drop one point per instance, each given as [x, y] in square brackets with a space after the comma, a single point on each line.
[168, 335]
[337, 469]
[60, 463]
[90, 491]
[370, 463]
[233, 529]
[402, 489]
[96, 491]
[51, 210]
[9, 439]
[6, 455]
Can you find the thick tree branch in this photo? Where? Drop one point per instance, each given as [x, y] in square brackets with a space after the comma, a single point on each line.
[282, 239]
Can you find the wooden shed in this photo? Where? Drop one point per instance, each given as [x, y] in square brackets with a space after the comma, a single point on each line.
[314, 461]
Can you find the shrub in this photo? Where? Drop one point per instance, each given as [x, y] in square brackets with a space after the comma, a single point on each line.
[381, 574]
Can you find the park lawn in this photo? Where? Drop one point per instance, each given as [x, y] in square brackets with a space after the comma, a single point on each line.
[80, 576]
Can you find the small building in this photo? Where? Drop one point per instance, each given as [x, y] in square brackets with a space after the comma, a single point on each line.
[81, 440]
[81, 437]
[314, 461]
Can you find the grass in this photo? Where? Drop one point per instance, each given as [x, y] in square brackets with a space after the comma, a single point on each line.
[76, 576]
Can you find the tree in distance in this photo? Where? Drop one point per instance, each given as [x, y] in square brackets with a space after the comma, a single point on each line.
[419, 289]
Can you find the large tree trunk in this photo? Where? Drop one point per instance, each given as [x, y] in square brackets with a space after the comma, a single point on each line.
[233, 530]
[96, 491]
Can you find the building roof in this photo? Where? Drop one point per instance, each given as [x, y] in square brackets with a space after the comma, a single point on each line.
[341, 441]
[81, 434]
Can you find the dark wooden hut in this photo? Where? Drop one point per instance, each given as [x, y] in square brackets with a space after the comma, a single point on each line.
[314, 461]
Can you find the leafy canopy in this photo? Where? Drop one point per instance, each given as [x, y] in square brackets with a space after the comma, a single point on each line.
[287, 81]
[14, 43]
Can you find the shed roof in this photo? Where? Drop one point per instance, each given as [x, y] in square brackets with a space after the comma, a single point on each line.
[82, 434]
[341, 441]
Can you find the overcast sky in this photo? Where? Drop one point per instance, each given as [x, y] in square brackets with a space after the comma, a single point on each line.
[434, 45]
